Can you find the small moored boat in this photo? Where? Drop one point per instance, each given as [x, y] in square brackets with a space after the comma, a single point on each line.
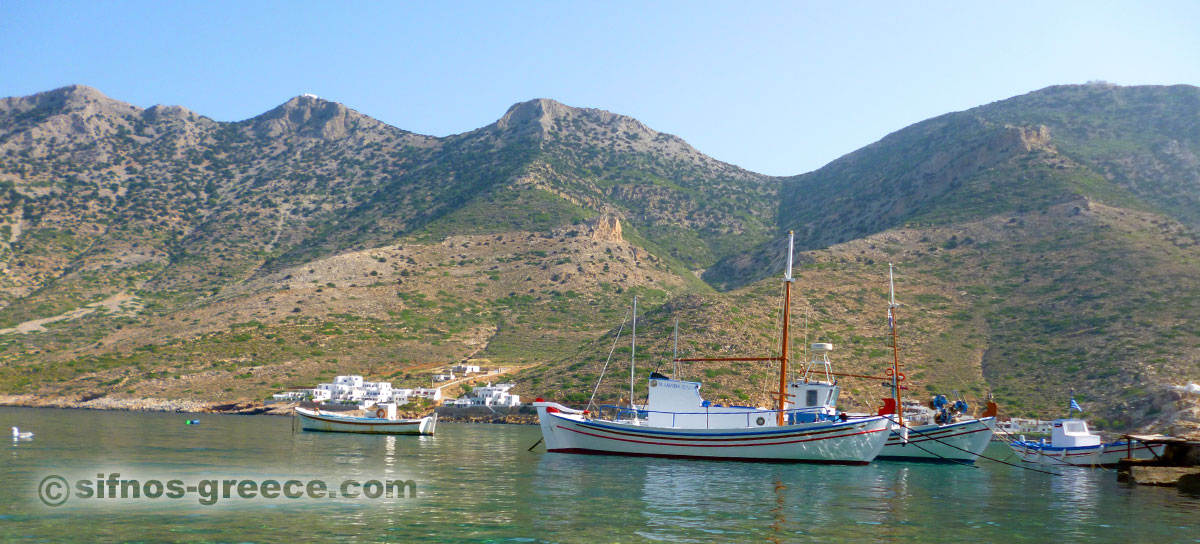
[384, 422]
[1072, 444]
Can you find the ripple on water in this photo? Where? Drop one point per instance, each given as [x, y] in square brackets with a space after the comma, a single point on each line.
[477, 483]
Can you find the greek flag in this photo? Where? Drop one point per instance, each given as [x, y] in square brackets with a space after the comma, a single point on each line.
[1075, 405]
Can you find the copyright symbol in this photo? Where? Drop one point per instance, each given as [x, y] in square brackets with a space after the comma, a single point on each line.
[53, 490]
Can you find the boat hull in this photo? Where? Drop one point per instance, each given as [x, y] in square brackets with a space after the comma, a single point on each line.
[1103, 455]
[314, 421]
[853, 442]
[961, 442]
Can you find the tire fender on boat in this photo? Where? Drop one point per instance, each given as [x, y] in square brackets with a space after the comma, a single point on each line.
[380, 413]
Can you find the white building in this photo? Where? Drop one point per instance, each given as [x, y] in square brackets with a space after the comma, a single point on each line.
[443, 377]
[378, 391]
[1018, 425]
[316, 395]
[344, 389]
[434, 394]
[402, 395]
[354, 389]
[489, 395]
[290, 395]
[466, 369]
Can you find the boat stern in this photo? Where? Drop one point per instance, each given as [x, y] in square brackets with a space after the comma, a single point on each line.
[428, 424]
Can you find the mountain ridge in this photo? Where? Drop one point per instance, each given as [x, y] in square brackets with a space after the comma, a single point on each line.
[158, 252]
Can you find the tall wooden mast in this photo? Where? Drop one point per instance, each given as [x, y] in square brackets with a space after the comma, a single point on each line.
[783, 356]
[787, 314]
[897, 377]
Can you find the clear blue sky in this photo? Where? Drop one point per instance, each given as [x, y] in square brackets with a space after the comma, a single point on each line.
[779, 88]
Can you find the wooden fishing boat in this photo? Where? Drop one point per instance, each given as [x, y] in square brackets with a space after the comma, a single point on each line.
[677, 422]
[384, 422]
[943, 433]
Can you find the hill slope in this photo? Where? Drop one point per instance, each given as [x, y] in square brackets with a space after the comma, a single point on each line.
[1043, 242]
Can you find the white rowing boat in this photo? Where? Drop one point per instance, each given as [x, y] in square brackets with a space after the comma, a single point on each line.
[315, 420]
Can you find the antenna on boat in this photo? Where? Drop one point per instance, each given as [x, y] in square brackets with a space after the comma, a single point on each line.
[632, 353]
[806, 341]
[675, 354]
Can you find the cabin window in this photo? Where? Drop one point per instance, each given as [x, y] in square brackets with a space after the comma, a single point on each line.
[833, 395]
[1074, 427]
[810, 399]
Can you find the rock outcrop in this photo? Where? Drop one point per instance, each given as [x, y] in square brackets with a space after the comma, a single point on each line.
[606, 228]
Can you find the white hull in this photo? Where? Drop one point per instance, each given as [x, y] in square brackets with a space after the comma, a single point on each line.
[852, 442]
[311, 420]
[1103, 455]
[935, 442]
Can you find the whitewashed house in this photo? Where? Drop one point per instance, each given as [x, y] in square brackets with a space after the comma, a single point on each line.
[316, 395]
[443, 377]
[1018, 425]
[466, 369]
[377, 391]
[290, 395]
[489, 395]
[402, 395]
[349, 389]
[434, 394]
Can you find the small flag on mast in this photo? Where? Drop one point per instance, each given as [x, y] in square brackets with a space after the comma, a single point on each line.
[1075, 406]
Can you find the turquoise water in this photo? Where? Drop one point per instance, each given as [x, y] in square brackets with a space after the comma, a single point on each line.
[477, 483]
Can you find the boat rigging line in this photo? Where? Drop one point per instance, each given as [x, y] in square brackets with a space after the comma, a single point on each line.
[633, 354]
[591, 401]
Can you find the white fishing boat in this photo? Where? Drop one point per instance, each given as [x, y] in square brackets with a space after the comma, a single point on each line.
[1072, 444]
[928, 435]
[677, 422]
[945, 433]
[960, 440]
[384, 421]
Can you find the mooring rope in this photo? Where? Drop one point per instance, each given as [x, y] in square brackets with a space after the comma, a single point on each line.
[914, 444]
[980, 454]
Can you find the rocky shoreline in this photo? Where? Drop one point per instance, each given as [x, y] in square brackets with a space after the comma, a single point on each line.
[242, 408]
[145, 405]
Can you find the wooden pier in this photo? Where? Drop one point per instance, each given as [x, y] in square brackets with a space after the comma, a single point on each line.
[1179, 465]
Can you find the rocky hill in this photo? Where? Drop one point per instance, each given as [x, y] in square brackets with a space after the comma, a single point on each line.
[1061, 221]
[1043, 242]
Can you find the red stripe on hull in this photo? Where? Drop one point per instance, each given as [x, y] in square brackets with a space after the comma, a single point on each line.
[585, 451]
[382, 422]
[718, 445]
[701, 439]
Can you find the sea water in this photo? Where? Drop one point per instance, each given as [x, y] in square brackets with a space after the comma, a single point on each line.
[478, 483]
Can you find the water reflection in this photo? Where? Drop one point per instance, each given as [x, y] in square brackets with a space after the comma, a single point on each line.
[478, 483]
[778, 525]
